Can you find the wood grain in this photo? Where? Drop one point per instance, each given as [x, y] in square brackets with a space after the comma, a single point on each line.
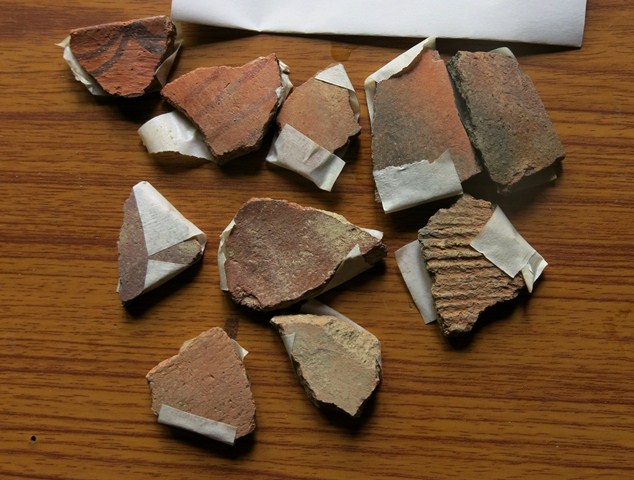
[544, 389]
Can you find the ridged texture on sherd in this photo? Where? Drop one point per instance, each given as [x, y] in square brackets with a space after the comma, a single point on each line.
[322, 112]
[464, 282]
[279, 252]
[122, 57]
[504, 116]
[416, 118]
[207, 378]
[231, 106]
[338, 364]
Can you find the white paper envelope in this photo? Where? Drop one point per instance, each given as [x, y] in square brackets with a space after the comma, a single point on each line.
[558, 22]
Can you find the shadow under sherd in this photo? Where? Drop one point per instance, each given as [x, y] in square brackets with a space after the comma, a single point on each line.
[139, 306]
[241, 447]
[495, 314]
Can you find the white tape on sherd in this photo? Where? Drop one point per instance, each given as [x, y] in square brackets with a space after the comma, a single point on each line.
[289, 340]
[158, 272]
[296, 152]
[502, 245]
[352, 265]
[163, 225]
[219, 431]
[407, 186]
[79, 73]
[337, 75]
[173, 132]
[413, 268]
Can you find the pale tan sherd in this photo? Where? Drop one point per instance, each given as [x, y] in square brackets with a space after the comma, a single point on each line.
[338, 363]
[206, 378]
[464, 281]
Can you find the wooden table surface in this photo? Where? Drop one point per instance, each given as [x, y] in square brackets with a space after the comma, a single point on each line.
[543, 389]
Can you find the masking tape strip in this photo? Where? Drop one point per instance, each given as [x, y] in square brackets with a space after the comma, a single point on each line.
[219, 431]
[413, 268]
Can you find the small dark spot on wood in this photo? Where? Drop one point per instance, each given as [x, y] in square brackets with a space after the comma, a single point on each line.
[34, 438]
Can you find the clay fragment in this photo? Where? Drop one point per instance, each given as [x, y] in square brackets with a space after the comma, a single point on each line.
[321, 111]
[276, 253]
[207, 379]
[123, 57]
[416, 118]
[156, 242]
[504, 117]
[337, 362]
[231, 106]
[464, 281]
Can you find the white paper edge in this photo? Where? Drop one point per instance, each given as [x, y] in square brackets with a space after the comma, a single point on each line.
[413, 268]
[173, 132]
[394, 67]
[405, 186]
[294, 151]
[222, 257]
[219, 431]
[163, 225]
[558, 23]
[337, 75]
[503, 246]
[163, 70]
[283, 90]
[80, 74]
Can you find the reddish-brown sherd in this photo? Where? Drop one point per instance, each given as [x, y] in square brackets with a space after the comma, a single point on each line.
[322, 112]
[123, 57]
[464, 281]
[338, 364]
[280, 253]
[416, 118]
[133, 254]
[231, 106]
[207, 378]
[505, 117]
